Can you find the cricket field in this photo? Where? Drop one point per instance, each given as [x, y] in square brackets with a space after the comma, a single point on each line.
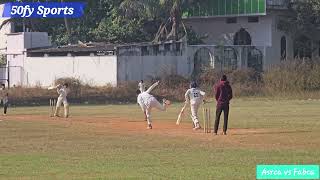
[112, 142]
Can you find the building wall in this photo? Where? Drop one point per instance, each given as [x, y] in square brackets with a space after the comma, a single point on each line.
[265, 34]
[14, 70]
[134, 68]
[218, 32]
[95, 70]
[220, 60]
[19, 42]
[133, 65]
[36, 40]
[273, 52]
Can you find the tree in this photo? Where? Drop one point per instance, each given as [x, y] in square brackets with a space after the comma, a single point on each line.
[67, 24]
[24, 23]
[115, 21]
[168, 12]
[304, 17]
[303, 23]
[175, 19]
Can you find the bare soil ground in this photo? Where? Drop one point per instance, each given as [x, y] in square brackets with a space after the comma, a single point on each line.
[237, 137]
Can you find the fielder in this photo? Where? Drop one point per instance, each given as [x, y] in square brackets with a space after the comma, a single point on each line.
[195, 96]
[5, 102]
[63, 92]
[147, 102]
[4, 98]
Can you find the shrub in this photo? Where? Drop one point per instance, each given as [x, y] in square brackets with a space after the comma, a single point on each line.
[74, 84]
[290, 79]
[245, 82]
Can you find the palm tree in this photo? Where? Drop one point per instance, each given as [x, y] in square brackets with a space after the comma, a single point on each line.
[152, 9]
[175, 19]
[29, 23]
[67, 24]
[26, 23]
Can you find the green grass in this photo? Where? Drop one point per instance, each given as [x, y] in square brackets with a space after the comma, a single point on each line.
[33, 149]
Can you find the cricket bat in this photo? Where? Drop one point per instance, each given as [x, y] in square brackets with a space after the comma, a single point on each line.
[53, 87]
[180, 114]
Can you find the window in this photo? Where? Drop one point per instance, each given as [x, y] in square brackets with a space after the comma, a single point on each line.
[283, 47]
[253, 19]
[242, 37]
[302, 47]
[231, 20]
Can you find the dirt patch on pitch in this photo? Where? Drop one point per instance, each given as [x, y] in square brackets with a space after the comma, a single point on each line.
[255, 138]
[123, 125]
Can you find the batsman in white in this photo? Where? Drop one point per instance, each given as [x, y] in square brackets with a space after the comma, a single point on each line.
[195, 96]
[147, 102]
[63, 92]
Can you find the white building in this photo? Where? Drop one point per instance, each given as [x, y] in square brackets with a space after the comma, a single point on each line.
[255, 35]
[33, 62]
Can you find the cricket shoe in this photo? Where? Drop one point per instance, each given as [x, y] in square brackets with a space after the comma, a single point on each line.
[197, 127]
[224, 133]
[149, 126]
[166, 102]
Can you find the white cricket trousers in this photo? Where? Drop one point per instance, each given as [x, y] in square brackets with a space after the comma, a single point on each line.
[153, 103]
[194, 112]
[65, 104]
